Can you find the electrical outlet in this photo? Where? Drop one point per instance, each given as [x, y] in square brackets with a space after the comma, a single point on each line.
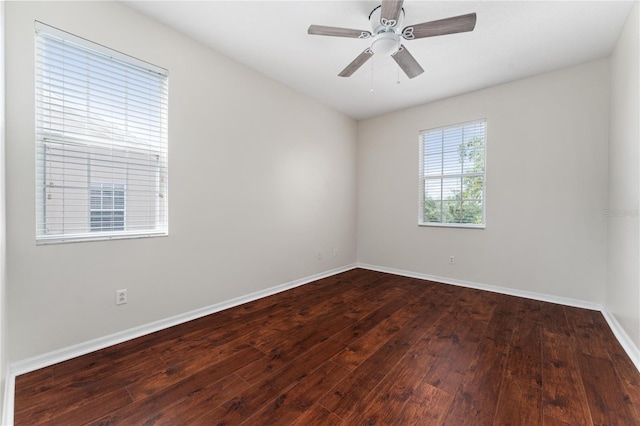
[452, 260]
[319, 255]
[121, 297]
[335, 252]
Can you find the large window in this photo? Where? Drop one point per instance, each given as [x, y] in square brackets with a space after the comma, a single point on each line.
[101, 141]
[452, 175]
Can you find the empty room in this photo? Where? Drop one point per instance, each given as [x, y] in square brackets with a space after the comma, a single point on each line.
[320, 212]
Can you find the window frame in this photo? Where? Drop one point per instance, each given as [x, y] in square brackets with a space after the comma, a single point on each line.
[422, 177]
[155, 148]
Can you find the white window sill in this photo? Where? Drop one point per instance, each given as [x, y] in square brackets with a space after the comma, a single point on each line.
[453, 225]
[81, 238]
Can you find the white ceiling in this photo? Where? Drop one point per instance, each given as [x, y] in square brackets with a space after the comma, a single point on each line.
[511, 40]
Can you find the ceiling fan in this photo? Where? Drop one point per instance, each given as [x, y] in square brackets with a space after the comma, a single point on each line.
[386, 32]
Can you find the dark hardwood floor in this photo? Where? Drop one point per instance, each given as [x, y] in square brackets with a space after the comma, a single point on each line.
[361, 347]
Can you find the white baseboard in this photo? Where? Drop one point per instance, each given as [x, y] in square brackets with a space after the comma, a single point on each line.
[9, 395]
[31, 364]
[625, 341]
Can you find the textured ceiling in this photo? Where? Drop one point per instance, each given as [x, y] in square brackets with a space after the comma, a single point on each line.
[511, 40]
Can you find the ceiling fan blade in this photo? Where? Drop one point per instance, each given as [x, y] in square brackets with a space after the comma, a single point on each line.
[356, 63]
[390, 12]
[337, 32]
[407, 62]
[456, 24]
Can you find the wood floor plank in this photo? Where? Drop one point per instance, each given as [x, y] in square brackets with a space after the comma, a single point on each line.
[291, 345]
[288, 406]
[101, 364]
[520, 403]
[57, 401]
[554, 319]
[342, 399]
[626, 371]
[370, 321]
[177, 403]
[188, 410]
[589, 331]
[388, 398]
[552, 421]
[209, 351]
[248, 403]
[427, 406]
[477, 399]
[360, 347]
[33, 383]
[525, 354]
[608, 403]
[363, 305]
[453, 342]
[325, 324]
[317, 415]
[531, 310]
[563, 394]
[156, 381]
[94, 408]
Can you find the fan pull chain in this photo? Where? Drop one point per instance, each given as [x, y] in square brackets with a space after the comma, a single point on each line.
[371, 89]
[398, 81]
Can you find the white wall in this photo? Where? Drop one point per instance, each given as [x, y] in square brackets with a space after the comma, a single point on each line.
[261, 178]
[3, 303]
[623, 277]
[546, 187]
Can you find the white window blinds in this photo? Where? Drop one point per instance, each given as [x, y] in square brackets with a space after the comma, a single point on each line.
[101, 137]
[452, 175]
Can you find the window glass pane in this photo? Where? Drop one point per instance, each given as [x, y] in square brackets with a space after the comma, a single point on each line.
[474, 160]
[472, 188]
[432, 212]
[433, 189]
[451, 139]
[451, 211]
[433, 165]
[472, 212]
[433, 143]
[96, 221]
[118, 200]
[451, 162]
[107, 200]
[451, 188]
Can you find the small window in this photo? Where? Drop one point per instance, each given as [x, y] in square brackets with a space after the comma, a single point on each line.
[107, 207]
[452, 175]
[101, 142]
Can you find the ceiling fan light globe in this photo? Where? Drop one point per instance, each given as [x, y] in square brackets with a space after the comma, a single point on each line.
[385, 44]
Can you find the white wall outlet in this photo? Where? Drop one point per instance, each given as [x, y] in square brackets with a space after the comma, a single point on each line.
[452, 260]
[121, 297]
[319, 255]
[335, 252]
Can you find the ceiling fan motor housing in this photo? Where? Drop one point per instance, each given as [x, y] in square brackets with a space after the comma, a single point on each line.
[386, 38]
[385, 43]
